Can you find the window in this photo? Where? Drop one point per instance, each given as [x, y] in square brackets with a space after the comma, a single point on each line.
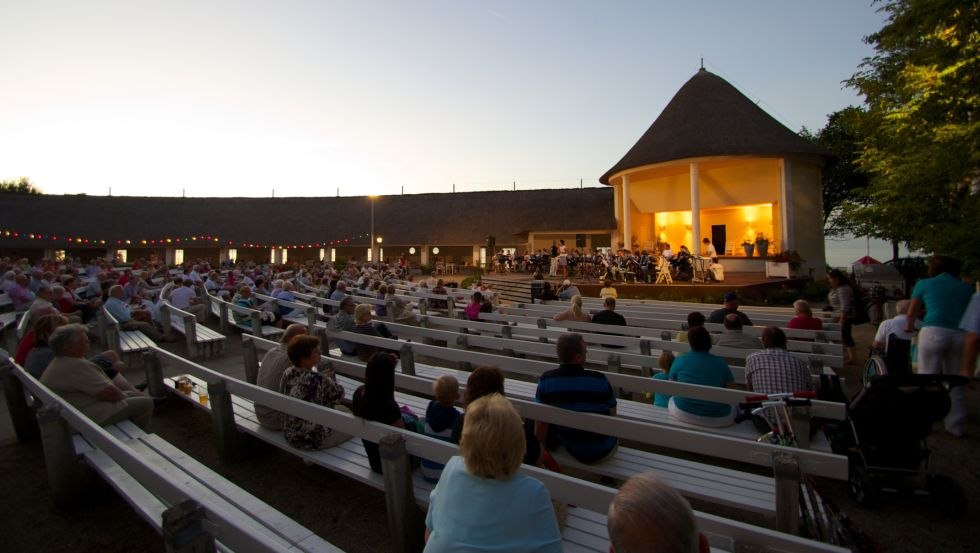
[178, 257]
[322, 253]
[272, 256]
[285, 255]
[333, 255]
[232, 254]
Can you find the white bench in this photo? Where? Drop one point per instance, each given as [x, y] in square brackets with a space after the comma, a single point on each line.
[201, 340]
[129, 345]
[224, 310]
[157, 479]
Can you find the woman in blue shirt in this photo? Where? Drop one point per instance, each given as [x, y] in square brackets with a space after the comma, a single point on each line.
[481, 503]
[700, 367]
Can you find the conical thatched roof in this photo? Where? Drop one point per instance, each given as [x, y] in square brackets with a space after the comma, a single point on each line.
[710, 117]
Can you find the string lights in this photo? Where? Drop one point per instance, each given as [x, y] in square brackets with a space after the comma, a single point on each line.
[197, 240]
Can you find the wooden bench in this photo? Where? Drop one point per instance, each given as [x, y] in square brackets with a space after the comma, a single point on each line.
[129, 345]
[177, 495]
[585, 529]
[513, 290]
[302, 313]
[224, 311]
[201, 340]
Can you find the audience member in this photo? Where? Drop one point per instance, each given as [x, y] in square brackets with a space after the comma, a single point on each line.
[695, 319]
[841, 300]
[567, 290]
[648, 516]
[21, 296]
[774, 370]
[803, 317]
[299, 381]
[344, 320]
[608, 315]
[473, 308]
[574, 312]
[375, 401]
[440, 419]
[275, 362]
[698, 366]
[340, 292]
[117, 307]
[664, 362]
[607, 291]
[185, 298]
[482, 502]
[572, 387]
[733, 337]
[729, 306]
[364, 325]
[85, 386]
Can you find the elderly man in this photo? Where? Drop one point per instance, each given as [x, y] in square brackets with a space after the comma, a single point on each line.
[85, 386]
[733, 337]
[572, 387]
[774, 370]
[340, 292]
[273, 365]
[648, 516]
[20, 296]
[567, 290]
[344, 320]
[117, 307]
[730, 306]
[184, 297]
[43, 299]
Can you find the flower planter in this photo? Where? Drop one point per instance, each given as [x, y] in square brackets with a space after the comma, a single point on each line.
[778, 269]
[749, 249]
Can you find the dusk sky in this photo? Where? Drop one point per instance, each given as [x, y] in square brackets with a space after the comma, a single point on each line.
[303, 98]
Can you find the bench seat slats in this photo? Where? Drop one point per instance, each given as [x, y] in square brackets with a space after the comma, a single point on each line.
[147, 506]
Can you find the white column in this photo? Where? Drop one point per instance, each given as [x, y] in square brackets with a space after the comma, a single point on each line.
[168, 256]
[696, 210]
[222, 255]
[786, 206]
[476, 255]
[627, 226]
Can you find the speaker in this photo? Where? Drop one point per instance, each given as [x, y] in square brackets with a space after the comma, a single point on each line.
[579, 240]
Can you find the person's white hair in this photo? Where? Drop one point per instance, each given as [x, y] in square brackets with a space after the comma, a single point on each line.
[64, 337]
[648, 515]
[902, 307]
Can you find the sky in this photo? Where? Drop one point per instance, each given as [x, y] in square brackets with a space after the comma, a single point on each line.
[322, 98]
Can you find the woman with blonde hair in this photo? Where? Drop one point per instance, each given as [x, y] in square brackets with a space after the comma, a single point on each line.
[575, 312]
[465, 511]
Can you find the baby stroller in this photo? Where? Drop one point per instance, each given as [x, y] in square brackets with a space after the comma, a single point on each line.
[885, 439]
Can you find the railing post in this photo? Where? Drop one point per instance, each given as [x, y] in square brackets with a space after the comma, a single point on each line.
[184, 529]
[310, 319]
[407, 358]
[786, 469]
[801, 426]
[507, 332]
[223, 418]
[21, 413]
[256, 318]
[423, 306]
[321, 333]
[154, 375]
[168, 330]
[190, 336]
[390, 308]
[405, 522]
[225, 323]
[816, 366]
[59, 456]
[543, 324]
[450, 307]
[250, 356]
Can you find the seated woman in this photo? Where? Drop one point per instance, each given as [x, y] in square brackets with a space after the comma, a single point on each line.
[574, 313]
[375, 401]
[804, 318]
[473, 308]
[466, 507]
[700, 367]
[301, 382]
[484, 381]
[664, 362]
[364, 325]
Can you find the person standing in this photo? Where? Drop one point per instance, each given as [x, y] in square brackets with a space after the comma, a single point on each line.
[841, 299]
[945, 298]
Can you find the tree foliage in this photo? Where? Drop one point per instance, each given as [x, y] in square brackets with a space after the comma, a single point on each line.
[22, 185]
[843, 179]
[920, 132]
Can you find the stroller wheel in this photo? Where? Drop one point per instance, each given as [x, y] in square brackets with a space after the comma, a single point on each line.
[947, 495]
[862, 487]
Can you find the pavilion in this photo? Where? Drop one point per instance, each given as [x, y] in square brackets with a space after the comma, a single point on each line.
[715, 165]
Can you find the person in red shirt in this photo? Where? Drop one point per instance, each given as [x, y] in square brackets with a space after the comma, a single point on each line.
[804, 318]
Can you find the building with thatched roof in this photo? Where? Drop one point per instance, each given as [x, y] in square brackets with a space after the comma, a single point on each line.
[450, 227]
[715, 165]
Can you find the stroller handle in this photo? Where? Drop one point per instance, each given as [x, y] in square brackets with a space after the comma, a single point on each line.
[766, 397]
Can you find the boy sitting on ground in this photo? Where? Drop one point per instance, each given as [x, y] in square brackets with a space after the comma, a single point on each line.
[440, 418]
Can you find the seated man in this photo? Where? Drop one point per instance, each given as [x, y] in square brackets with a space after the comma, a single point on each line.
[648, 516]
[185, 298]
[774, 370]
[608, 316]
[572, 387]
[363, 325]
[117, 307]
[344, 320]
[85, 386]
[898, 356]
[20, 295]
[733, 336]
[339, 293]
[567, 290]
[730, 305]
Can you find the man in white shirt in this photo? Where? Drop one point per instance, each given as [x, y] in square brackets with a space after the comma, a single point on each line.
[185, 298]
[896, 326]
[708, 249]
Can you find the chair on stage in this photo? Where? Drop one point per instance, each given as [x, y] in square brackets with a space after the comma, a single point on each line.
[663, 271]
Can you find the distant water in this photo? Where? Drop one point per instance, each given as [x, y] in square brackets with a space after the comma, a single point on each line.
[841, 253]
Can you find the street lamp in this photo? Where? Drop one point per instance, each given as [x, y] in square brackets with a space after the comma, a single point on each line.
[380, 250]
[371, 244]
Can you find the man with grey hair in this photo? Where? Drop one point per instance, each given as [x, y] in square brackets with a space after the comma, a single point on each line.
[270, 372]
[648, 516]
[897, 353]
[85, 386]
[117, 307]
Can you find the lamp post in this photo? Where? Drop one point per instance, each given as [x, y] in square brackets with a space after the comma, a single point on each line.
[371, 243]
[378, 240]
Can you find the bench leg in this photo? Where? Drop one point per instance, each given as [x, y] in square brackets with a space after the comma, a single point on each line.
[223, 418]
[59, 457]
[21, 414]
[405, 520]
[183, 529]
[154, 375]
[786, 469]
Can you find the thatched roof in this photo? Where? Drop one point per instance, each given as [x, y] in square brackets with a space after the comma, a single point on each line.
[710, 117]
[461, 218]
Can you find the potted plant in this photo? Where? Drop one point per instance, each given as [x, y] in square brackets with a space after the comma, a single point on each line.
[762, 244]
[784, 264]
[749, 247]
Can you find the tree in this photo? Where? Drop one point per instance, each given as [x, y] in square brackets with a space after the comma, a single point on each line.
[921, 134]
[22, 185]
[843, 180]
